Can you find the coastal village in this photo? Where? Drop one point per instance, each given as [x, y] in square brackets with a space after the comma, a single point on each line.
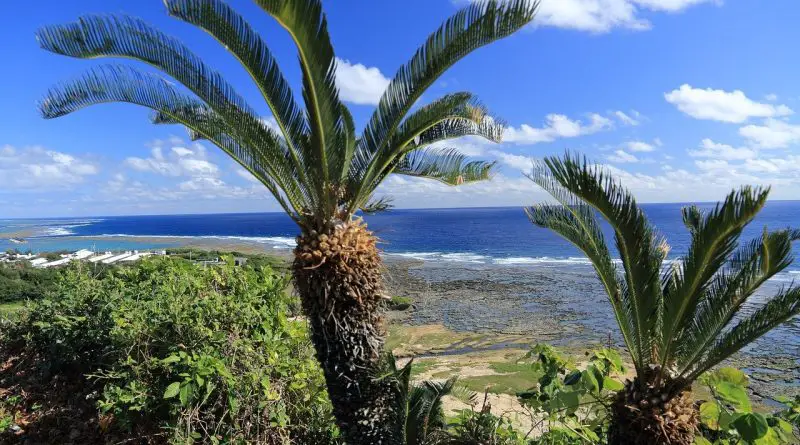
[40, 261]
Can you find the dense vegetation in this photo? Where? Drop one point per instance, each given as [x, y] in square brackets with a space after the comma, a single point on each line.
[172, 351]
[166, 350]
[21, 281]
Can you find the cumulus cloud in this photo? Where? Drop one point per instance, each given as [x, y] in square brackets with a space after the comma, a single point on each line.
[622, 157]
[38, 168]
[627, 119]
[600, 16]
[181, 161]
[723, 106]
[773, 133]
[557, 126]
[711, 149]
[640, 146]
[359, 84]
[517, 162]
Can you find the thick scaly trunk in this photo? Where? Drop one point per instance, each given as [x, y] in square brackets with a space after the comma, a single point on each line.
[649, 414]
[337, 272]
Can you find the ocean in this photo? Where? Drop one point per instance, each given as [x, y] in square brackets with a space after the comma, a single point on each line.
[489, 236]
[471, 247]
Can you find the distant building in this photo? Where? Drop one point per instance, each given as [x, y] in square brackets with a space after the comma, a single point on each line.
[239, 261]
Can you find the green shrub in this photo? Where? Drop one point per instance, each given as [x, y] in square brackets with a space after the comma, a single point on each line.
[729, 418]
[206, 352]
[21, 281]
[400, 303]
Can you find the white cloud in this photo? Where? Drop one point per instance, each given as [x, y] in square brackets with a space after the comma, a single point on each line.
[711, 149]
[557, 126]
[772, 97]
[773, 133]
[604, 15]
[622, 157]
[639, 146]
[38, 168]
[518, 162]
[181, 161]
[627, 119]
[359, 84]
[720, 105]
[712, 164]
[761, 165]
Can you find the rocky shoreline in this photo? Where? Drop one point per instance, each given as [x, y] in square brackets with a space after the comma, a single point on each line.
[490, 309]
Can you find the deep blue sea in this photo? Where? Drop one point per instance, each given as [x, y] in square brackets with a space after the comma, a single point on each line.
[456, 242]
[499, 236]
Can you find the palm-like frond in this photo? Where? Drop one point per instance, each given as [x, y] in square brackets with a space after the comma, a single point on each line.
[777, 310]
[715, 235]
[749, 267]
[444, 165]
[472, 27]
[233, 31]
[682, 320]
[314, 163]
[425, 409]
[577, 224]
[308, 27]
[120, 36]
[639, 246]
[118, 83]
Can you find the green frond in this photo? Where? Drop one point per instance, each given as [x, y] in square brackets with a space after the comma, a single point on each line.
[444, 165]
[119, 83]
[425, 409]
[122, 36]
[715, 235]
[238, 37]
[640, 248]
[474, 26]
[374, 206]
[306, 23]
[577, 223]
[777, 310]
[749, 267]
[440, 120]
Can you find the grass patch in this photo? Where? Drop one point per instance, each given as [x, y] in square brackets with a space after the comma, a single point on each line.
[498, 384]
[511, 378]
[11, 308]
[422, 366]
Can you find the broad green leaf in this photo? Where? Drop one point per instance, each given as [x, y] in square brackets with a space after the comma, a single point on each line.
[735, 395]
[186, 393]
[590, 381]
[700, 440]
[172, 390]
[770, 438]
[710, 414]
[567, 400]
[751, 426]
[612, 384]
[171, 359]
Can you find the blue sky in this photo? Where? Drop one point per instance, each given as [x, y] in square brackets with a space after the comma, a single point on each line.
[683, 99]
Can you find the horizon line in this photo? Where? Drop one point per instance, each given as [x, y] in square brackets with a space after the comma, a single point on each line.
[390, 210]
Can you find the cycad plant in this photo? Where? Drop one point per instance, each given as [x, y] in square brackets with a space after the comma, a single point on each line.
[315, 164]
[678, 318]
[422, 419]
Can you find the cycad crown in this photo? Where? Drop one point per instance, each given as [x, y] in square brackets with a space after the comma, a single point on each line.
[677, 316]
[315, 164]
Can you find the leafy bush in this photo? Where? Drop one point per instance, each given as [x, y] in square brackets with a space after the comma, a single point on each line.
[207, 353]
[729, 417]
[21, 281]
